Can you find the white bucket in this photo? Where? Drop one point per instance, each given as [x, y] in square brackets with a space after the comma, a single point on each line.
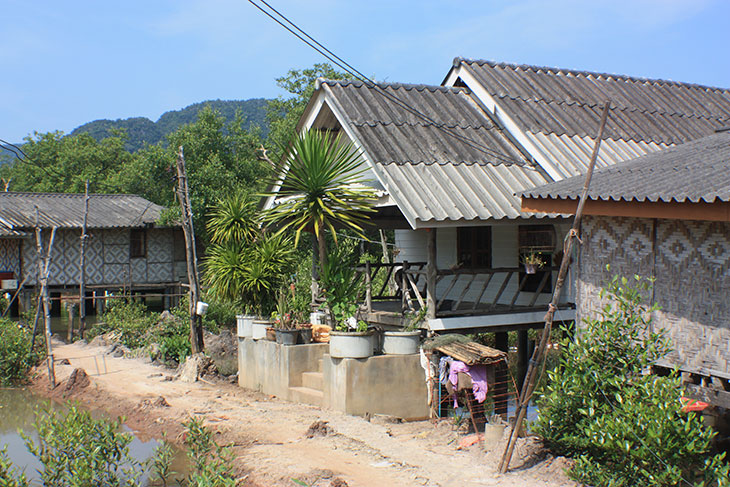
[243, 324]
[201, 308]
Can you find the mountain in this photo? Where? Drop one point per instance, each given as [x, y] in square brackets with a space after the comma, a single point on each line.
[142, 130]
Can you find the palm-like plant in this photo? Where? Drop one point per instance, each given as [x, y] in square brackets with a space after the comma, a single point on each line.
[245, 263]
[321, 187]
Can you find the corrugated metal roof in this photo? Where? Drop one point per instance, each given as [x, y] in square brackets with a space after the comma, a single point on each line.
[448, 162]
[17, 210]
[568, 102]
[694, 171]
[8, 233]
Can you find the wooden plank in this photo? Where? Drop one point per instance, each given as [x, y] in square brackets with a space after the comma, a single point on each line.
[540, 288]
[463, 293]
[519, 289]
[472, 353]
[502, 288]
[448, 290]
[483, 290]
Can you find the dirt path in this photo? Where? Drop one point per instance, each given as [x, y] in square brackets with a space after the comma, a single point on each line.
[269, 435]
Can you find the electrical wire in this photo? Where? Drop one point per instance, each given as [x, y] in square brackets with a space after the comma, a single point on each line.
[345, 66]
[17, 151]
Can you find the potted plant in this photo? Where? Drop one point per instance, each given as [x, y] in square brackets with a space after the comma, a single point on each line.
[342, 287]
[405, 341]
[532, 262]
[286, 332]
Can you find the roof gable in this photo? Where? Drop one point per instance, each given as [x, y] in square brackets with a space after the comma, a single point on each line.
[434, 149]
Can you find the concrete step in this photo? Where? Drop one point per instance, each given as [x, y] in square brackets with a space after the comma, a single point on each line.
[313, 380]
[319, 365]
[306, 395]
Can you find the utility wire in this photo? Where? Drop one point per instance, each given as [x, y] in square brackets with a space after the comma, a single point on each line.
[17, 151]
[344, 65]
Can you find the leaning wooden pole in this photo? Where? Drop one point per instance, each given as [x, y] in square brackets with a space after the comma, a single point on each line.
[82, 265]
[529, 384]
[196, 328]
[43, 272]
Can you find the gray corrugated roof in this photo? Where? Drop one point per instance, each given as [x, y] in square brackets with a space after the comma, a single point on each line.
[17, 210]
[8, 233]
[568, 102]
[694, 171]
[449, 164]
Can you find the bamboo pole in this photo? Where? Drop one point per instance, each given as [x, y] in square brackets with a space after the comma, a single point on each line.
[44, 262]
[528, 386]
[82, 265]
[196, 328]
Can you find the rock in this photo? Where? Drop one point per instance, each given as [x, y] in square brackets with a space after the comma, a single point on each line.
[338, 482]
[154, 351]
[196, 366]
[166, 316]
[64, 362]
[98, 342]
[120, 350]
[161, 402]
[222, 345]
[77, 380]
[318, 428]
[158, 374]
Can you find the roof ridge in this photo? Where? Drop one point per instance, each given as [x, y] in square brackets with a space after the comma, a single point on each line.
[614, 107]
[46, 193]
[374, 123]
[622, 77]
[394, 85]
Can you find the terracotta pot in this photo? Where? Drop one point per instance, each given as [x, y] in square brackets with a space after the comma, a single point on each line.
[271, 334]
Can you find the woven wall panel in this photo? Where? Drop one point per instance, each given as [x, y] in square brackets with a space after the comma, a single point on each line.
[9, 256]
[691, 263]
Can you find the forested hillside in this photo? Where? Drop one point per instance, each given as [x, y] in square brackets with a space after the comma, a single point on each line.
[141, 130]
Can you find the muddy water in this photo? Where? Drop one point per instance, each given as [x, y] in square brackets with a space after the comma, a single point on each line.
[17, 408]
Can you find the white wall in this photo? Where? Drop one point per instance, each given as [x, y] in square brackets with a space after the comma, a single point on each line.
[413, 248]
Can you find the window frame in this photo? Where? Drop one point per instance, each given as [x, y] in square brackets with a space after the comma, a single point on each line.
[468, 245]
[137, 250]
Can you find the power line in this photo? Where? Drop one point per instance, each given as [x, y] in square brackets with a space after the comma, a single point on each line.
[17, 151]
[344, 65]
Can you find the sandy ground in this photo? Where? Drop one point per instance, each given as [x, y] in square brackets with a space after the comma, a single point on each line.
[268, 435]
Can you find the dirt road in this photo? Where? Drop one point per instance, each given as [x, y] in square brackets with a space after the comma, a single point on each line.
[269, 435]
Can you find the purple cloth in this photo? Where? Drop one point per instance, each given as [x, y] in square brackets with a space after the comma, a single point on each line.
[478, 374]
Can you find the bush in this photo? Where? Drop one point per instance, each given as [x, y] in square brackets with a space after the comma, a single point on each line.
[16, 357]
[624, 427]
[129, 319]
[77, 450]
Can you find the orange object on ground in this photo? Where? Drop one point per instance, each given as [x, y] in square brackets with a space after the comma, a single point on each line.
[321, 333]
[693, 405]
[469, 440]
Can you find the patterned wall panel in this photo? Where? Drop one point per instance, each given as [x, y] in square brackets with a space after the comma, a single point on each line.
[159, 245]
[115, 236]
[116, 273]
[139, 270]
[10, 256]
[94, 258]
[691, 263]
[160, 272]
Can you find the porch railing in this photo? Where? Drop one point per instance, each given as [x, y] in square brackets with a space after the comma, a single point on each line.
[459, 292]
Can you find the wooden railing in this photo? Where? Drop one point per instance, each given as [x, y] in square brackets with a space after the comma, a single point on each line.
[458, 291]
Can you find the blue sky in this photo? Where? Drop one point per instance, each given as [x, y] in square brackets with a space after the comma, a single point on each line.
[67, 63]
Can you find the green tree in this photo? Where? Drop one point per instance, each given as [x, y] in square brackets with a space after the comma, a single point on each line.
[322, 188]
[623, 426]
[283, 114]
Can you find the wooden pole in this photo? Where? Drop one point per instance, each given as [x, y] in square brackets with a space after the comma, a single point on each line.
[196, 328]
[15, 296]
[44, 262]
[431, 270]
[530, 377]
[82, 265]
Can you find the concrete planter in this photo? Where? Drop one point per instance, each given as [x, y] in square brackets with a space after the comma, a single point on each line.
[351, 345]
[401, 342]
[243, 323]
[258, 329]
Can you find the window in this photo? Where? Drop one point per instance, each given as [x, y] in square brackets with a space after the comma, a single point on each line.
[474, 247]
[537, 239]
[137, 243]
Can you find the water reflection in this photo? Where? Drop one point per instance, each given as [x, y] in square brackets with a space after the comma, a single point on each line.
[17, 411]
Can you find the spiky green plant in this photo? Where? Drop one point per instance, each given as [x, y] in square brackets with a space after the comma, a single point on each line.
[233, 219]
[322, 187]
